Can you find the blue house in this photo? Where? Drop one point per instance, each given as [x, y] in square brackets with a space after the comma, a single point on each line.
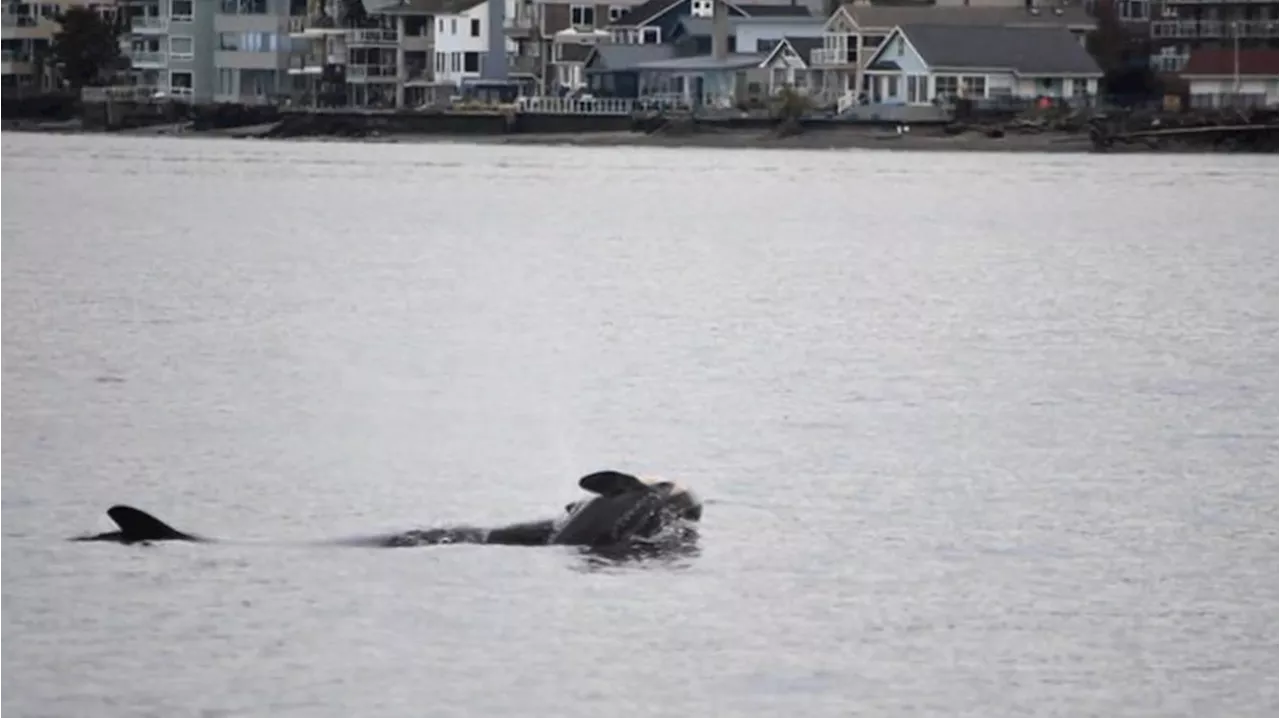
[614, 70]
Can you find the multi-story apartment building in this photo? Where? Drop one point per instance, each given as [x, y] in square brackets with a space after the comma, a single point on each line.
[171, 47]
[1177, 27]
[26, 38]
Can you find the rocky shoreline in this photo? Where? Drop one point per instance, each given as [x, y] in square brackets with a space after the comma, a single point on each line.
[915, 139]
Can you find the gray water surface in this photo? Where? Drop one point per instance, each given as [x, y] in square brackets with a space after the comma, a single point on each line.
[980, 434]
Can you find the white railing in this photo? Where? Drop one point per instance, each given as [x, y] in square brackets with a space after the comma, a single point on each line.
[118, 92]
[182, 93]
[828, 56]
[147, 58]
[1169, 63]
[149, 24]
[365, 72]
[372, 37]
[521, 21]
[571, 106]
[1214, 28]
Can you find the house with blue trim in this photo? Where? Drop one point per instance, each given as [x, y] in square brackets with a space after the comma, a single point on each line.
[935, 64]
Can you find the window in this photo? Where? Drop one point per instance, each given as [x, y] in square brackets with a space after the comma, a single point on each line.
[650, 35]
[253, 7]
[181, 48]
[181, 79]
[471, 62]
[226, 81]
[439, 62]
[453, 26]
[1079, 87]
[917, 89]
[228, 7]
[800, 81]
[475, 27]
[946, 87]
[455, 62]
[975, 86]
[440, 29]
[616, 12]
[228, 41]
[582, 15]
[181, 10]
[779, 78]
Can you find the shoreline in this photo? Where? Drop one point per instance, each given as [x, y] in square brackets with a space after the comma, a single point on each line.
[924, 139]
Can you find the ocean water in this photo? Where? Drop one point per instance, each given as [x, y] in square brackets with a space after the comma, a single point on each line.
[978, 434]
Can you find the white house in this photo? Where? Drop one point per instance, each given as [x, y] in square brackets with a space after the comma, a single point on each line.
[788, 65]
[462, 40]
[1223, 78]
[921, 64]
[853, 33]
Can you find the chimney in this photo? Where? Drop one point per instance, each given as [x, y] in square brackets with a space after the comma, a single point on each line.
[495, 60]
[719, 30]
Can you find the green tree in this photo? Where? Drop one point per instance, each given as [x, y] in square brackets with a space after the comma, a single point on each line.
[86, 48]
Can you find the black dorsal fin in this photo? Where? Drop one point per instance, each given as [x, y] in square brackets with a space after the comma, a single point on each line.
[137, 525]
[611, 483]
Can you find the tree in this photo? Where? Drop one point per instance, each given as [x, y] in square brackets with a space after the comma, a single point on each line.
[1123, 57]
[86, 47]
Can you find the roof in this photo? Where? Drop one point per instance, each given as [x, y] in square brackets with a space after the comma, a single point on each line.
[573, 52]
[419, 7]
[701, 26]
[802, 46]
[1023, 50]
[612, 58]
[646, 12]
[1223, 62]
[889, 16]
[775, 11]
[704, 62]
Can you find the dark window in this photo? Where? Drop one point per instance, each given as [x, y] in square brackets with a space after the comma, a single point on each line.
[475, 27]
[471, 62]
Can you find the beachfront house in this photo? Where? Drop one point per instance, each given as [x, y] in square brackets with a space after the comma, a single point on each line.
[1222, 78]
[934, 64]
[788, 65]
[855, 31]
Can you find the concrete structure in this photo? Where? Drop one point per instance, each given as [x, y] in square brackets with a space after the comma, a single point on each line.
[171, 47]
[26, 38]
[251, 51]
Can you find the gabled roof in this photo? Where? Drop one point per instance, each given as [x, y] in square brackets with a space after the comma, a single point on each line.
[647, 12]
[1223, 62]
[612, 58]
[885, 17]
[701, 26]
[1021, 50]
[754, 10]
[419, 7]
[801, 46]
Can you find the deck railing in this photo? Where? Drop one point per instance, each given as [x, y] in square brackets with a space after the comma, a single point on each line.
[572, 106]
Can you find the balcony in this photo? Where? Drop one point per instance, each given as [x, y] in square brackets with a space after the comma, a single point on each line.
[16, 65]
[313, 63]
[417, 76]
[314, 26]
[372, 38]
[520, 24]
[149, 25]
[372, 73]
[834, 57]
[1214, 29]
[143, 60]
[1171, 64]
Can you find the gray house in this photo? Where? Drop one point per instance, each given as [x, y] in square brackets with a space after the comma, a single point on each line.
[930, 64]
